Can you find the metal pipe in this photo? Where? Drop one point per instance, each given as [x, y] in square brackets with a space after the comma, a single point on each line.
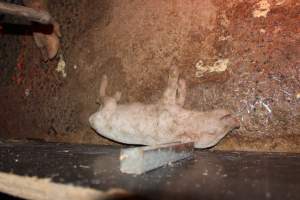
[31, 14]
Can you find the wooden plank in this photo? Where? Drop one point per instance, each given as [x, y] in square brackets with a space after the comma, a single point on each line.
[44, 189]
[143, 159]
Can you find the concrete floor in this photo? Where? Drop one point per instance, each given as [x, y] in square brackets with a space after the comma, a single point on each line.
[208, 175]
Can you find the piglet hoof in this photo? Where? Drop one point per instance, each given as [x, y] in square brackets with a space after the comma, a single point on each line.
[117, 96]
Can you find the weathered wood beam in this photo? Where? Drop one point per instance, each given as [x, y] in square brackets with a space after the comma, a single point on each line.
[44, 189]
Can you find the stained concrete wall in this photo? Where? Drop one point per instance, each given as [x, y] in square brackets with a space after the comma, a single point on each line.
[238, 55]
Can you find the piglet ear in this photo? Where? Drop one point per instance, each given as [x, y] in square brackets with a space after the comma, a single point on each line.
[231, 122]
[220, 113]
[226, 117]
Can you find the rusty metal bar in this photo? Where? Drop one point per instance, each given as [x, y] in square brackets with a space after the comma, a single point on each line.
[142, 159]
[31, 14]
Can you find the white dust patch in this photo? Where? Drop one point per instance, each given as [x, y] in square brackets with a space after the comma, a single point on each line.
[219, 66]
[61, 66]
[263, 7]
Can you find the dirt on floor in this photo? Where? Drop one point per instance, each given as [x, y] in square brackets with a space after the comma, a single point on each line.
[239, 55]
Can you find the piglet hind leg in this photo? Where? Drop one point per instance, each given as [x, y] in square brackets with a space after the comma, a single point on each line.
[181, 92]
[169, 95]
[117, 96]
[103, 86]
[102, 93]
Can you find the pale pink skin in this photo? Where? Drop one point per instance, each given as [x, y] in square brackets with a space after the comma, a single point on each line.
[162, 122]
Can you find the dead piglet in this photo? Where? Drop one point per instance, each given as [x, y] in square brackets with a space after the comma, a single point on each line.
[162, 122]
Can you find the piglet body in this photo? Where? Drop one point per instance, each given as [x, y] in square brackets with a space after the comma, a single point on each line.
[162, 122]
